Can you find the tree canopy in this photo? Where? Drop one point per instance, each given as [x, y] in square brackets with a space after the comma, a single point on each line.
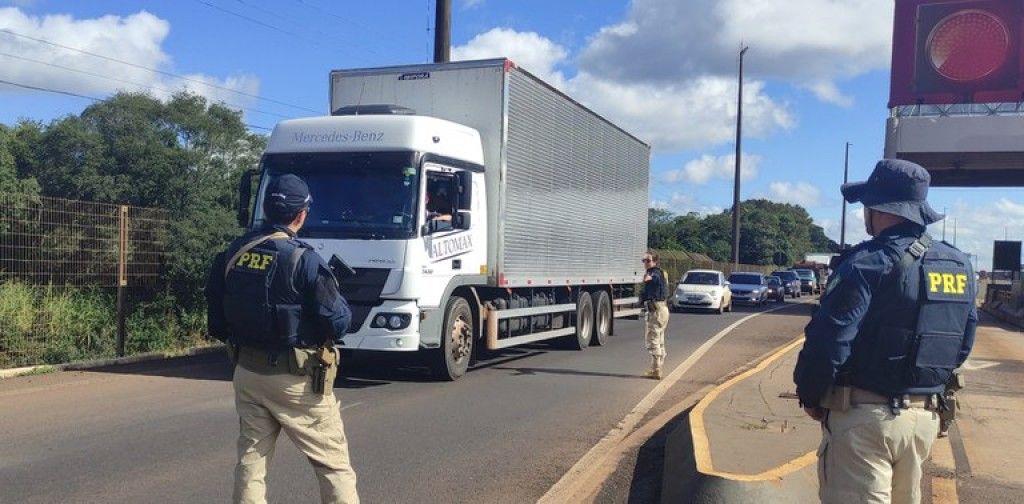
[766, 229]
[183, 155]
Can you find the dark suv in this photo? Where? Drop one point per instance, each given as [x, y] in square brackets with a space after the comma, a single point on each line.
[808, 281]
[790, 281]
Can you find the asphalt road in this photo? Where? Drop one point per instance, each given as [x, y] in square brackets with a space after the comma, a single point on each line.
[166, 431]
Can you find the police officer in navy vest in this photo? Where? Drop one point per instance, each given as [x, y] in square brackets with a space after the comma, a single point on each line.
[897, 317]
[274, 301]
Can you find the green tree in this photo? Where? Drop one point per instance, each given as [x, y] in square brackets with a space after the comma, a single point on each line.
[12, 148]
[182, 155]
[766, 228]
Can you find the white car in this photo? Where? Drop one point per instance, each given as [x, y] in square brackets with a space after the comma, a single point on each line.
[702, 289]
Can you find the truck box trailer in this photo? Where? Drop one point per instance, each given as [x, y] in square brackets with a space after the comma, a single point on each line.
[476, 204]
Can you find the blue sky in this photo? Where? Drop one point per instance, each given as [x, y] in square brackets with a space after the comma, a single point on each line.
[817, 77]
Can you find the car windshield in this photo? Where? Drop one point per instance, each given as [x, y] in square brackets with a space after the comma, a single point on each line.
[773, 281]
[700, 278]
[745, 279]
[785, 275]
[805, 274]
[361, 195]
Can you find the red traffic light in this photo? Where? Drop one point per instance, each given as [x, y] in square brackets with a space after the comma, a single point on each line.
[968, 45]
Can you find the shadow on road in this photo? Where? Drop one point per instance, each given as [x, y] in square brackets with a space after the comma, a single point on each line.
[793, 308]
[210, 366]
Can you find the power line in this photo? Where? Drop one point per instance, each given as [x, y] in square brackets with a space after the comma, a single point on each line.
[251, 20]
[277, 15]
[353, 22]
[154, 70]
[87, 97]
[125, 81]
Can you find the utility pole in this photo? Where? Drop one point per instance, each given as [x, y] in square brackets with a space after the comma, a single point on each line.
[944, 224]
[842, 221]
[442, 31]
[736, 183]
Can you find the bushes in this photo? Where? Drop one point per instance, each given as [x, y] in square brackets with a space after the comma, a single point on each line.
[50, 325]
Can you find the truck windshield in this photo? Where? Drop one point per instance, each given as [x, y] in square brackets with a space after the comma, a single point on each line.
[360, 195]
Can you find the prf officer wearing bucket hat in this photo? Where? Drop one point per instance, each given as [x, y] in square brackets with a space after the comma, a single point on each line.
[897, 317]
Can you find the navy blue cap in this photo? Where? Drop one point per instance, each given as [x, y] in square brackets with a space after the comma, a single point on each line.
[285, 196]
[895, 187]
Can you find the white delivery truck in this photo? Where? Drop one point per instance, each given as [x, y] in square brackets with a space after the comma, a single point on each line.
[476, 204]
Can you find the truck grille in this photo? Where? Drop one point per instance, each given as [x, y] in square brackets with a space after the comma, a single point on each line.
[362, 292]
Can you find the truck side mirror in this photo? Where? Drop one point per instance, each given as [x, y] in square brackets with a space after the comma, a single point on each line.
[463, 220]
[244, 195]
[464, 180]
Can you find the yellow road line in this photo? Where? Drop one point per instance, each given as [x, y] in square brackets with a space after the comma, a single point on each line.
[944, 491]
[702, 447]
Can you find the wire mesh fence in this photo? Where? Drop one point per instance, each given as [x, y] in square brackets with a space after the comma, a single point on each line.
[77, 278]
[675, 263]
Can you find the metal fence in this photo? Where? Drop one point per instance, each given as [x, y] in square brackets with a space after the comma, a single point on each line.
[677, 262]
[70, 272]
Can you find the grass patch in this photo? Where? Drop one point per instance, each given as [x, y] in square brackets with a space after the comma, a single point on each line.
[54, 325]
[41, 370]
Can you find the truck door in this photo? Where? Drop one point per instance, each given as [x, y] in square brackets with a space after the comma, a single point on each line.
[449, 226]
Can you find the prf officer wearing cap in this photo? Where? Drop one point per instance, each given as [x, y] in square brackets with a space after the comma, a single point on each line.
[897, 317]
[274, 301]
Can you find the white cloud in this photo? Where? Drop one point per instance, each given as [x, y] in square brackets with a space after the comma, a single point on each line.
[797, 193]
[530, 51]
[682, 203]
[469, 4]
[975, 227]
[137, 39]
[690, 114]
[708, 167]
[855, 232]
[1007, 207]
[811, 43]
[827, 92]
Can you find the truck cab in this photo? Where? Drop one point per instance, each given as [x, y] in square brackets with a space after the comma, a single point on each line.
[400, 198]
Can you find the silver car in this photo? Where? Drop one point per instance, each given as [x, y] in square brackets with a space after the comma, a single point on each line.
[748, 287]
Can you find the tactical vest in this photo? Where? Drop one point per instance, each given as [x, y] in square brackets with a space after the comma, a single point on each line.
[261, 305]
[912, 339]
[662, 292]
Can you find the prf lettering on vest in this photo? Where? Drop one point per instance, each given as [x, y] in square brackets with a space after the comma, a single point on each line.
[947, 282]
[253, 260]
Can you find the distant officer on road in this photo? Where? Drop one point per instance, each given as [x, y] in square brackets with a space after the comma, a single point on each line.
[896, 319]
[276, 304]
[654, 298]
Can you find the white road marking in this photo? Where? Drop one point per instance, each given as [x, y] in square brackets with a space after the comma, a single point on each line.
[347, 406]
[976, 364]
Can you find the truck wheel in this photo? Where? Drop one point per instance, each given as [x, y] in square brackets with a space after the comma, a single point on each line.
[602, 318]
[451, 360]
[584, 322]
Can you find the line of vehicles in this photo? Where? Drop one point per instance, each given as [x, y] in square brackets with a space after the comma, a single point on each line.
[711, 290]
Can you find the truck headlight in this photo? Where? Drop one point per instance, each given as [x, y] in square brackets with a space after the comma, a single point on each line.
[393, 321]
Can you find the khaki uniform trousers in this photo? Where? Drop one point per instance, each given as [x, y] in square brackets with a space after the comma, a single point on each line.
[656, 323]
[266, 403]
[869, 455]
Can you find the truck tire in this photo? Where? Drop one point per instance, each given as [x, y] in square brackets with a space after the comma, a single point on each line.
[584, 322]
[451, 360]
[602, 318]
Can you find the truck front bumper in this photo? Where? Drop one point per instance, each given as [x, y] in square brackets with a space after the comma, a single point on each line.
[406, 339]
